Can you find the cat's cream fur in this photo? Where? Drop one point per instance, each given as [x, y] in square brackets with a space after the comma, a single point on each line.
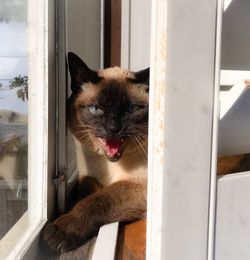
[132, 166]
[123, 186]
[121, 177]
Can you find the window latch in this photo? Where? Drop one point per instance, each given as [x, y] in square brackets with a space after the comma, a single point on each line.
[60, 186]
[59, 180]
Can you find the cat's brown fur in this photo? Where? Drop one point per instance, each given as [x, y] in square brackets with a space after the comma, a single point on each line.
[233, 164]
[117, 183]
[113, 189]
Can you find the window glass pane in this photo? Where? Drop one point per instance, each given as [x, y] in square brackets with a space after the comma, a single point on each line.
[88, 48]
[13, 112]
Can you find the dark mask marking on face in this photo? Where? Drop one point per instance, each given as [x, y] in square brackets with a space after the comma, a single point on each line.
[116, 114]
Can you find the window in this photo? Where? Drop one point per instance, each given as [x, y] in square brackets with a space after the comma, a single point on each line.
[37, 153]
[25, 26]
[182, 135]
[232, 210]
[73, 38]
[13, 113]
[192, 213]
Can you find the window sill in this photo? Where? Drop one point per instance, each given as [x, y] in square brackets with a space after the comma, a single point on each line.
[20, 238]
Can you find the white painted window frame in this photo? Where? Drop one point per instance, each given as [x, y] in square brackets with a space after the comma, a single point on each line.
[231, 77]
[21, 242]
[183, 128]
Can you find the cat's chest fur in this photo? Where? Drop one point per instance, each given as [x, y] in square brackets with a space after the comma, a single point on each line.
[130, 167]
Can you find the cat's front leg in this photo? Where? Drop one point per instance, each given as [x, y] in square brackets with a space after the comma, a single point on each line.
[63, 234]
[121, 201]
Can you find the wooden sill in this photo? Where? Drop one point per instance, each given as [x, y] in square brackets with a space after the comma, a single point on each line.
[132, 241]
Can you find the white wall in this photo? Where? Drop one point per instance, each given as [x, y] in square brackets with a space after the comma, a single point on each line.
[84, 30]
[136, 19]
[135, 42]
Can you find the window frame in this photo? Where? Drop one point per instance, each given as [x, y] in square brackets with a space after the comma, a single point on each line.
[172, 231]
[65, 175]
[22, 239]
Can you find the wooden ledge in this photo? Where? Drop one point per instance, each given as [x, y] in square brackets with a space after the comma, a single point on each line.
[132, 241]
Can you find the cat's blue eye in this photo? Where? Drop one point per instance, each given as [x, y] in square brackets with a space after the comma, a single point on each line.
[134, 109]
[95, 110]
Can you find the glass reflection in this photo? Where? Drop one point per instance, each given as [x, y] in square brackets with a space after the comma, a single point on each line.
[13, 112]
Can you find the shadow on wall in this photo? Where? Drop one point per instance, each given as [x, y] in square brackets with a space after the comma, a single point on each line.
[236, 36]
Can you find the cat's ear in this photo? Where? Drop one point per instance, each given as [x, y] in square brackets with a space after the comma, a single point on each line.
[80, 73]
[142, 76]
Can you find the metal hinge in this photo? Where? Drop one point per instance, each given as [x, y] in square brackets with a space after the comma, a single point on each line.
[60, 186]
[58, 180]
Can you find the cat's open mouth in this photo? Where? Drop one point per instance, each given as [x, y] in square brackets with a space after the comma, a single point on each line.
[112, 148]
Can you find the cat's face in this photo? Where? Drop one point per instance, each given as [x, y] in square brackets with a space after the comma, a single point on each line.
[108, 109]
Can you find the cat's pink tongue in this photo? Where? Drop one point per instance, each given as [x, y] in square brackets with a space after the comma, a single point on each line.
[112, 147]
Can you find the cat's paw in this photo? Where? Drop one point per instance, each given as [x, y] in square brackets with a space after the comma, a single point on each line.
[60, 238]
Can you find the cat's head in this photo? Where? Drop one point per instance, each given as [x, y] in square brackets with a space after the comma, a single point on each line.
[108, 109]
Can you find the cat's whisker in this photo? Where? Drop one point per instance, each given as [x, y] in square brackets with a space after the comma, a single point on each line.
[82, 130]
[142, 134]
[139, 142]
[83, 126]
[144, 128]
[78, 129]
[122, 129]
[86, 141]
[142, 139]
[82, 138]
[140, 129]
[142, 155]
[80, 134]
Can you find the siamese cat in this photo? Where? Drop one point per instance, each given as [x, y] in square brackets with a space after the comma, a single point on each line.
[108, 115]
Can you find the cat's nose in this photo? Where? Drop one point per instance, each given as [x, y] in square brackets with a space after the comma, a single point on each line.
[114, 128]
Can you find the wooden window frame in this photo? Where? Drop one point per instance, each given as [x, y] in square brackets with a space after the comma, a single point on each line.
[112, 32]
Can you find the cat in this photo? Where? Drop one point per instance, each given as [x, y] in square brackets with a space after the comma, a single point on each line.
[107, 114]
